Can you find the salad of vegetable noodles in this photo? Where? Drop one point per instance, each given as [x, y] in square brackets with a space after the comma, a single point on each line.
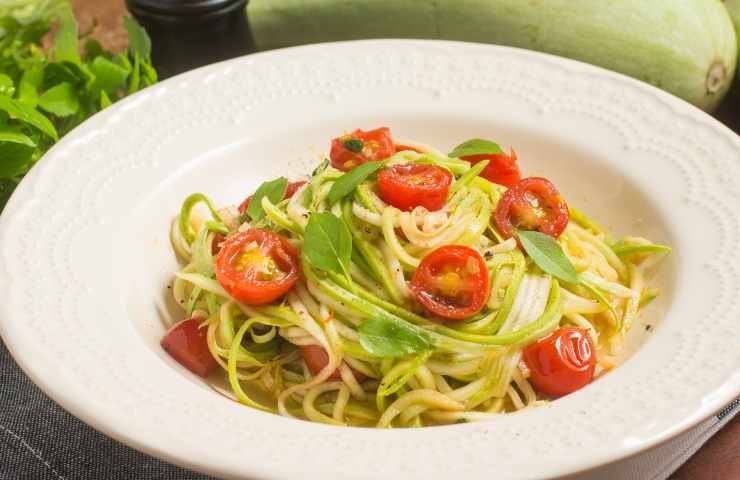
[401, 287]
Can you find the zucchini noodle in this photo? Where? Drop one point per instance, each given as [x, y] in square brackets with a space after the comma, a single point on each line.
[472, 370]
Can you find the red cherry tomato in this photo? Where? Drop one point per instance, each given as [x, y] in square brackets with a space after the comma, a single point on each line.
[188, 344]
[257, 266]
[501, 168]
[532, 204]
[562, 362]
[289, 192]
[316, 359]
[349, 151]
[415, 185]
[400, 148]
[452, 282]
[216, 243]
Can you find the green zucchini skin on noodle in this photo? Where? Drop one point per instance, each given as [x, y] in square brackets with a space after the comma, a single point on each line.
[686, 47]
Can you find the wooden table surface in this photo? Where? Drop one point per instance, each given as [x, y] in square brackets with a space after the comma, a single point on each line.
[718, 459]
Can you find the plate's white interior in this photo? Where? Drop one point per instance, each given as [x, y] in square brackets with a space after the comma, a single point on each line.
[88, 301]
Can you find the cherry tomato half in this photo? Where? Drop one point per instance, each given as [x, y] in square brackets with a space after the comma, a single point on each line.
[257, 266]
[415, 185]
[349, 151]
[216, 243]
[188, 344]
[316, 359]
[562, 362]
[532, 204]
[501, 168]
[289, 192]
[452, 282]
[400, 148]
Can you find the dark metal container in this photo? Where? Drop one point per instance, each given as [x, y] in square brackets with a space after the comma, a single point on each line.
[189, 33]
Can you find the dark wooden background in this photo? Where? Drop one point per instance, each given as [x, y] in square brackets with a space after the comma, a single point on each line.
[718, 459]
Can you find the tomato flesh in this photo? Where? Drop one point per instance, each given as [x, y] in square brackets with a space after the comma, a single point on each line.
[316, 359]
[532, 204]
[257, 266]
[358, 147]
[452, 282]
[289, 192]
[501, 169]
[415, 185]
[561, 362]
[188, 344]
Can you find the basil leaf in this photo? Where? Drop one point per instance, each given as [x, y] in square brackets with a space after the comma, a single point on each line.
[138, 40]
[66, 46]
[15, 158]
[60, 100]
[547, 254]
[8, 134]
[274, 190]
[109, 77]
[354, 145]
[475, 146]
[385, 338]
[29, 86]
[6, 85]
[28, 115]
[327, 243]
[347, 183]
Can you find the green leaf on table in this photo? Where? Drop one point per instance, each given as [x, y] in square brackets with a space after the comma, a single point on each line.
[148, 73]
[274, 190]
[475, 146]
[347, 183]
[93, 49]
[546, 253]
[109, 76]
[386, 338]
[15, 158]
[6, 85]
[56, 73]
[105, 101]
[66, 44]
[11, 135]
[327, 243]
[60, 100]
[28, 115]
[138, 40]
[29, 86]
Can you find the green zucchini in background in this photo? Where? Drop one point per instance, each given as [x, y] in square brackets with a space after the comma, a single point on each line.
[687, 47]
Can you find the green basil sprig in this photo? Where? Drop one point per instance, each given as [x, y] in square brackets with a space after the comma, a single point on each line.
[327, 243]
[347, 183]
[476, 146]
[274, 190]
[384, 338]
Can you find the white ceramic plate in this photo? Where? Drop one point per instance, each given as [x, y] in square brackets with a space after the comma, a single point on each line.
[86, 259]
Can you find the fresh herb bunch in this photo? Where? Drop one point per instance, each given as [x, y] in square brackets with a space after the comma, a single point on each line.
[45, 93]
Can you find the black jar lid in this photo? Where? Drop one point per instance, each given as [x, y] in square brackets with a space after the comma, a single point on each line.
[178, 11]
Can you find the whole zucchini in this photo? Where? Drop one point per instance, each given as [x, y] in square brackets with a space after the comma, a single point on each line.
[687, 47]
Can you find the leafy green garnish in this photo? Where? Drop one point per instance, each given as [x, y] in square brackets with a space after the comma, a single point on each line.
[547, 254]
[475, 146]
[61, 100]
[46, 92]
[274, 190]
[138, 40]
[385, 338]
[327, 243]
[347, 183]
[354, 145]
